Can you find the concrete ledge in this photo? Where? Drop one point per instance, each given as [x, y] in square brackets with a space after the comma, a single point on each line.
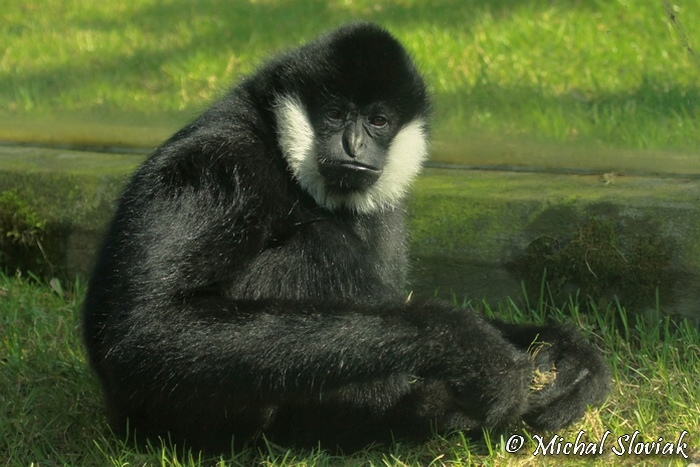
[74, 191]
[473, 232]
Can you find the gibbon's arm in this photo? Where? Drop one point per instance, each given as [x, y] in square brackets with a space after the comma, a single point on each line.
[302, 352]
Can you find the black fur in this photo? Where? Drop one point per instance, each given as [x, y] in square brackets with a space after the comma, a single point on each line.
[227, 300]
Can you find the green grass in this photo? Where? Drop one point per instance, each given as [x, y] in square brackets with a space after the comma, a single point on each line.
[51, 411]
[614, 72]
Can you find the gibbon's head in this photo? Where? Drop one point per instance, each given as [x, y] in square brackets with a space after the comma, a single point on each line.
[351, 115]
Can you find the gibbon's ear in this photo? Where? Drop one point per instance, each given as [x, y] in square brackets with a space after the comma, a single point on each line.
[404, 160]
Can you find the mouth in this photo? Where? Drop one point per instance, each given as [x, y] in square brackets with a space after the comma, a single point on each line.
[349, 175]
[350, 165]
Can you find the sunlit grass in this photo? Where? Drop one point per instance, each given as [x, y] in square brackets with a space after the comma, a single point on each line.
[615, 72]
[51, 411]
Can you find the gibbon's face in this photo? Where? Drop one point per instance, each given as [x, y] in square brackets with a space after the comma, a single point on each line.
[351, 145]
[351, 119]
[359, 157]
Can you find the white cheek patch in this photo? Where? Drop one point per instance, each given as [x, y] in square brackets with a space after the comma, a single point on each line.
[405, 156]
[296, 139]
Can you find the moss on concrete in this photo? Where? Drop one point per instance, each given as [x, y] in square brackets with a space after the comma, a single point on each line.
[485, 233]
[72, 192]
[67, 187]
[602, 261]
[27, 243]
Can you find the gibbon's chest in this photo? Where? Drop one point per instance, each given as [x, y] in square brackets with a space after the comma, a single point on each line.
[328, 258]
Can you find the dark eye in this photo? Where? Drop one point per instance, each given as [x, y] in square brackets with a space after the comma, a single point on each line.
[378, 120]
[334, 114]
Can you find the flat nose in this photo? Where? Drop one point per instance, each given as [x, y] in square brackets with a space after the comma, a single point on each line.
[353, 139]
